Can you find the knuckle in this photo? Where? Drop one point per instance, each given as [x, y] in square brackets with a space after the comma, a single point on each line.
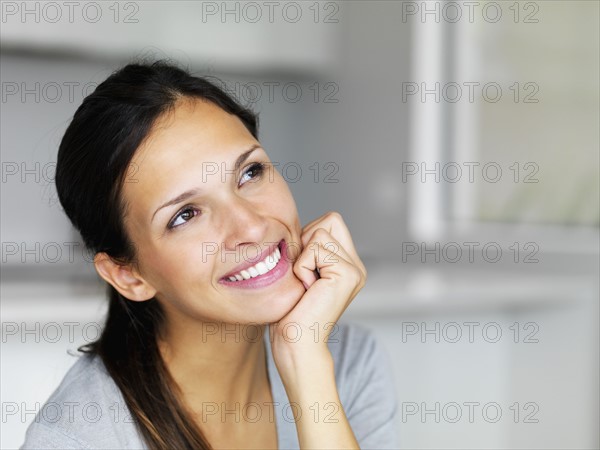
[297, 268]
[363, 282]
[363, 268]
[357, 275]
[320, 233]
[335, 216]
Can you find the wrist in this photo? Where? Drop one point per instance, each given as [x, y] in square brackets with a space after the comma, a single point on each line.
[310, 381]
[303, 365]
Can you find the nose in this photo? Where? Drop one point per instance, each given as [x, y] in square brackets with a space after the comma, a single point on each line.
[243, 223]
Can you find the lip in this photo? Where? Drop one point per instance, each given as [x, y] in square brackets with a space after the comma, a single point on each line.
[246, 264]
[262, 280]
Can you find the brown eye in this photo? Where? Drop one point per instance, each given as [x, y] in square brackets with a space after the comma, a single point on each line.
[254, 171]
[183, 216]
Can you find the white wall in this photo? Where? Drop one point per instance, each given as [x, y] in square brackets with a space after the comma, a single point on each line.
[362, 62]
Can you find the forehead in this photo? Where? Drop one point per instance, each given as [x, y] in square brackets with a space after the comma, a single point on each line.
[193, 133]
[193, 127]
[180, 145]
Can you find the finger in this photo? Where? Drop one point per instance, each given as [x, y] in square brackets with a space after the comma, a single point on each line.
[321, 238]
[333, 223]
[316, 257]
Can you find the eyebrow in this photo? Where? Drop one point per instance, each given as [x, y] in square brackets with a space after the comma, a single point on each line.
[191, 192]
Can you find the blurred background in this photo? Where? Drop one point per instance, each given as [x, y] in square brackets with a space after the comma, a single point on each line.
[459, 140]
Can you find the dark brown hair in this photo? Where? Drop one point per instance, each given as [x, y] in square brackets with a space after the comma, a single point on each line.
[93, 159]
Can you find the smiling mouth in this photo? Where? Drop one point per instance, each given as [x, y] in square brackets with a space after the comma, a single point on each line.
[263, 267]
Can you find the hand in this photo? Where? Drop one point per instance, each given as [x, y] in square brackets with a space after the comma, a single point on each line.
[332, 274]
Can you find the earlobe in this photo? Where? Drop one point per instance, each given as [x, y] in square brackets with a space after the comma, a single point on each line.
[123, 278]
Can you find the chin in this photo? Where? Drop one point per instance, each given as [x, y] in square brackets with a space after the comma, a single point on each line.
[277, 307]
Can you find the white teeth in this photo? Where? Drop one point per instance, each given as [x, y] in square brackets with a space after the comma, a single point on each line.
[258, 269]
[261, 267]
[270, 263]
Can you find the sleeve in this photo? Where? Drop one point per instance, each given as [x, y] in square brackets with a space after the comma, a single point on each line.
[40, 436]
[373, 410]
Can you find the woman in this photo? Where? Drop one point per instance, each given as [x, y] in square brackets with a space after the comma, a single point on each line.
[199, 241]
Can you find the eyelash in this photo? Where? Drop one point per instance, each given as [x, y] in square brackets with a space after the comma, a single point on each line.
[259, 168]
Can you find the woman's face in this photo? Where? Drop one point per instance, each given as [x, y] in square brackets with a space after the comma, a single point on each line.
[218, 219]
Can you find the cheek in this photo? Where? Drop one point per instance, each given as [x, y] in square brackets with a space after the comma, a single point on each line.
[282, 200]
[160, 266]
[175, 264]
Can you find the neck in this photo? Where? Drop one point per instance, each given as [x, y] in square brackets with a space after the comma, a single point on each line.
[217, 362]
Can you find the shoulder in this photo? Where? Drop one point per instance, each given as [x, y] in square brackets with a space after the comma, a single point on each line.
[357, 353]
[365, 379]
[86, 410]
[351, 340]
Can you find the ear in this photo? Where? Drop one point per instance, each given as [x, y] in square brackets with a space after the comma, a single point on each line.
[124, 278]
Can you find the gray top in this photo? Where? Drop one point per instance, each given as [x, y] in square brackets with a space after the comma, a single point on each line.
[88, 411]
